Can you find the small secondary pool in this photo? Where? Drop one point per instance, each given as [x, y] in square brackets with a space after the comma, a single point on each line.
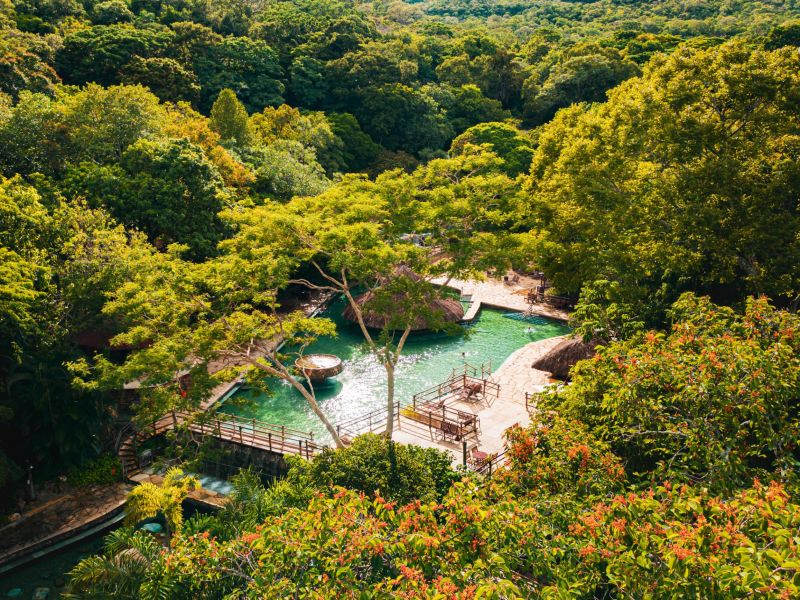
[427, 360]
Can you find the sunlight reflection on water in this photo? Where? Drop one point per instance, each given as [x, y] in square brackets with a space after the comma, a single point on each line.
[427, 360]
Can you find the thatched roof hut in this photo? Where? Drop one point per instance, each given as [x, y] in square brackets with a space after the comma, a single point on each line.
[441, 310]
[560, 360]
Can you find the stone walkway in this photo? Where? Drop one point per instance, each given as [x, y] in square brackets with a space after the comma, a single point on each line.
[59, 517]
[515, 377]
[497, 294]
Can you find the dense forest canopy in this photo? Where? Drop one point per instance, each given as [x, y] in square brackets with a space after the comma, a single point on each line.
[168, 168]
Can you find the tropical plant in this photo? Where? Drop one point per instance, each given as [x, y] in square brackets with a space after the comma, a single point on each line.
[165, 500]
[127, 569]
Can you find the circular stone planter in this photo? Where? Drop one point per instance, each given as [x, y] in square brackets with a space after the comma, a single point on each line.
[319, 367]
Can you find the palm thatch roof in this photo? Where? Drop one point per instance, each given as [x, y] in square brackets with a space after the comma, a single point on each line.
[439, 310]
[560, 360]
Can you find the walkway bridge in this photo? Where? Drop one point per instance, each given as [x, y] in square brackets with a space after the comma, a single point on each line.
[277, 439]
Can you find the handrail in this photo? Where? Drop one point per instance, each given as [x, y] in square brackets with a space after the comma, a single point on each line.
[250, 432]
[491, 465]
[485, 370]
[454, 385]
[255, 425]
[449, 421]
[374, 418]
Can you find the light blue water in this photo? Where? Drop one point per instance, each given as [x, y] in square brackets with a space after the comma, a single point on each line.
[426, 360]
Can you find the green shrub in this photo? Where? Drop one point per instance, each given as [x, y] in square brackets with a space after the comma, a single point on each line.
[101, 470]
[399, 472]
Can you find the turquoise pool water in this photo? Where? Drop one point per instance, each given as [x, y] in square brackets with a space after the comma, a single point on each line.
[427, 360]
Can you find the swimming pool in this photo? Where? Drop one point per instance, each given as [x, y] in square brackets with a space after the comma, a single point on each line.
[427, 359]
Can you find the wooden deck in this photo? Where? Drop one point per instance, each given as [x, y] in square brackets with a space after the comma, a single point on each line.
[264, 436]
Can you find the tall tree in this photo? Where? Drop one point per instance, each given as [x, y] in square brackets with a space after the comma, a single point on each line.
[229, 118]
[686, 178]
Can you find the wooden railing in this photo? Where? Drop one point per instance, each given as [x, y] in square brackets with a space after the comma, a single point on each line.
[490, 465]
[449, 423]
[483, 371]
[230, 428]
[372, 421]
[457, 388]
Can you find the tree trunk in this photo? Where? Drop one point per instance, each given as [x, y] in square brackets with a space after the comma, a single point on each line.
[389, 400]
[312, 401]
[284, 374]
[389, 364]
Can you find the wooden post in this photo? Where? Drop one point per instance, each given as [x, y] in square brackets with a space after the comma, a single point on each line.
[241, 438]
[464, 452]
[269, 439]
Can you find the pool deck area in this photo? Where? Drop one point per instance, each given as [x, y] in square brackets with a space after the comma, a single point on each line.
[515, 377]
[498, 294]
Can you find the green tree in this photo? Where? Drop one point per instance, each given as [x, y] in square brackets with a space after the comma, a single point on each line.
[101, 123]
[165, 77]
[128, 569]
[229, 118]
[358, 149]
[165, 500]
[111, 12]
[248, 67]
[683, 180]
[399, 117]
[60, 259]
[714, 400]
[31, 140]
[376, 465]
[169, 190]
[190, 315]
[99, 54]
[505, 140]
[23, 64]
[786, 34]
[583, 75]
[286, 169]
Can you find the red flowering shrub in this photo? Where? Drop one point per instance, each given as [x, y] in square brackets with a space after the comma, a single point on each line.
[715, 400]
[557, 456]
[681, 542]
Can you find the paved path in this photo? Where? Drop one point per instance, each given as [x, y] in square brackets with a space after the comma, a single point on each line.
[59, 517]
[495, 293]
[515, 377]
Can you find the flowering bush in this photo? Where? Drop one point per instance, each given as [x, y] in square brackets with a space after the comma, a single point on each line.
[682, 542]
[713, 401]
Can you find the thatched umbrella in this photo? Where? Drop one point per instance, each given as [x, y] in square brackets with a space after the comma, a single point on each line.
[441, 310]
[560, 360]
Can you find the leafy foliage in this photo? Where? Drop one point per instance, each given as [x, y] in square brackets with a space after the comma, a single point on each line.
[375, 465]
[712, 401]
[102, 470]
[148, 500]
